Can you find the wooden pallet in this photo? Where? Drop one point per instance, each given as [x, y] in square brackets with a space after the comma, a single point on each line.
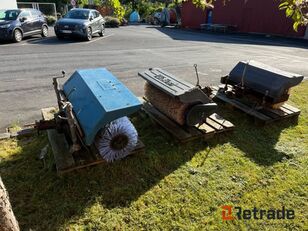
[262, 116]
[64, 160]
[213, 125]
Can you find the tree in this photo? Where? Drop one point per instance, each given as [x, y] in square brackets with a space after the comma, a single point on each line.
[297, 10]
[7, 219]
[118, 9]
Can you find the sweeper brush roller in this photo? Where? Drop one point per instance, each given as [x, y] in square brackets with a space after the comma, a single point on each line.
[182, 102]
[171, 107]
[117, 140]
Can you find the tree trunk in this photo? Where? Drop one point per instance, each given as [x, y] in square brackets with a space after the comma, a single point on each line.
[8, 221]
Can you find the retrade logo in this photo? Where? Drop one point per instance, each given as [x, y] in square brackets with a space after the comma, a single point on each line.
[256, 214]
[227, 213]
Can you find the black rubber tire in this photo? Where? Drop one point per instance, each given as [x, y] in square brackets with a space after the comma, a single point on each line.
[102, 32]
[44, 32]
[89, 34]
[17, 36]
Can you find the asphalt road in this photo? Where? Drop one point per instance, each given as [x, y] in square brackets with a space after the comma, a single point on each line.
[26, 68]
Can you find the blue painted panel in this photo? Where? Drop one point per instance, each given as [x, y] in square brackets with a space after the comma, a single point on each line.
[98, 98]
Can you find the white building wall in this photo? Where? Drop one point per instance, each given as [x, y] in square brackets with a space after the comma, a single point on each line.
[8, 4]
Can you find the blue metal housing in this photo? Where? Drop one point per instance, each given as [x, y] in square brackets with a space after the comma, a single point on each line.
[98, 98]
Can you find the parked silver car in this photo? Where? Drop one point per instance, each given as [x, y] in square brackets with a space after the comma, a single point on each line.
[80, 22]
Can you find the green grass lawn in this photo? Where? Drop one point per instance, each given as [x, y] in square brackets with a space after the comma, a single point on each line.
[170, 187]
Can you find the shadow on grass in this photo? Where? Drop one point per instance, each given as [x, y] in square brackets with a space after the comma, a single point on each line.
[43, 201]
[256, 142]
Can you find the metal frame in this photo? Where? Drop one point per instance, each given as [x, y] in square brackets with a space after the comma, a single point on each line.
[36, 5]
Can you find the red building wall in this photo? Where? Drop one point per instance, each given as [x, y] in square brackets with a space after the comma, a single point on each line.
[259, 16]
[191, 16]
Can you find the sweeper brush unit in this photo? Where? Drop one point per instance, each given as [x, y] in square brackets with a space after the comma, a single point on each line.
[117, 140]
[93, 105]
[261, 84]
[181, 101]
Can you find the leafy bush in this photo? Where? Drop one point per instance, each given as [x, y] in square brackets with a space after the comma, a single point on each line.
[115, 5]
[147, 8]
[51, 20]
[118, 9]
[128, 10]
[112, 21]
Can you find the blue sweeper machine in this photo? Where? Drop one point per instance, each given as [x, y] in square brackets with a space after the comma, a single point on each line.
[93, 106]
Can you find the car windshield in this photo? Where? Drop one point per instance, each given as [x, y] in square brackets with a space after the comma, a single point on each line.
[77, 14]
[9, 14]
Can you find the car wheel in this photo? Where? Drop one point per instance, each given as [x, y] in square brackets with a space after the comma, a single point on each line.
[102, 32]
[89, 34]
[44, 31]
[17, 36]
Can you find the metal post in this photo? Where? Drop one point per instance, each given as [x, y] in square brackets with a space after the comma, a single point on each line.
[57, 89]
[71, 122]
[54, 6]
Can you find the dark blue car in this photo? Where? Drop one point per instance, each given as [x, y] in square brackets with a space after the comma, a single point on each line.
[20, 23]
[80, 22]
